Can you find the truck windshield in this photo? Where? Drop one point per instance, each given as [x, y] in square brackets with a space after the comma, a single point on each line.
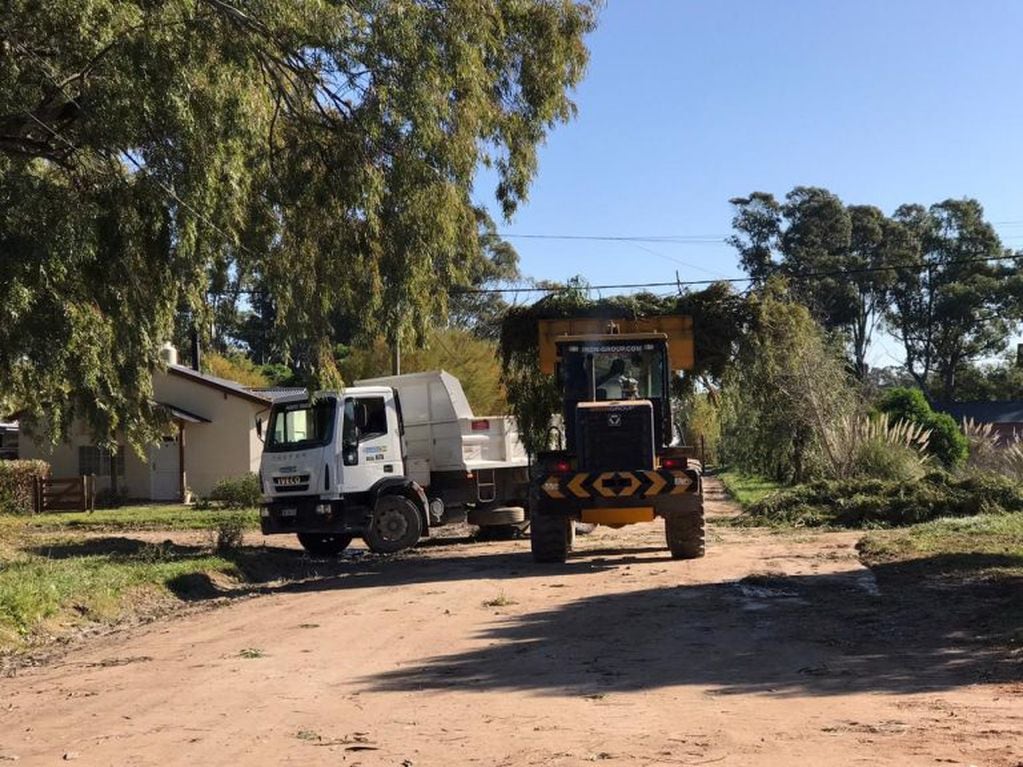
[614, 371]
[299, 425]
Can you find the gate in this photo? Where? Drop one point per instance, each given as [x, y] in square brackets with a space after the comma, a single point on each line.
[70, 494]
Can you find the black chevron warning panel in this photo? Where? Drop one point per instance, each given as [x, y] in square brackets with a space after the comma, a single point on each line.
[617, 484]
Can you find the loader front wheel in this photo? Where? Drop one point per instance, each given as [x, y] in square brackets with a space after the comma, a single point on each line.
[685, 534]
[550, 537]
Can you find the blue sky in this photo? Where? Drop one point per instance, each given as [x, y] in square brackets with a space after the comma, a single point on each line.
[687, 104]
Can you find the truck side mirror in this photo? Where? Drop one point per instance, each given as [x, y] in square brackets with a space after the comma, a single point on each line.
[259, 427]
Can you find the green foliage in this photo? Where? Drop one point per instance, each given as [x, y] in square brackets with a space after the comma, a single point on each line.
[947, 442]
[17, 485]
[131, 518]
[719, 317]
[230, 534]
[236, 367]
[471, 359]
[880, 503]
[786, 391]
[326, 151]
[954, 304]
[813, 232]
[701, 424]
[241, 492]
[926, 273]
[747, 489]
[1002, 380]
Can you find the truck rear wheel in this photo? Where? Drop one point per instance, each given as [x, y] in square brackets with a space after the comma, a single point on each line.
[550, 537]
[324, 545]
[685, 534]
[394, 526]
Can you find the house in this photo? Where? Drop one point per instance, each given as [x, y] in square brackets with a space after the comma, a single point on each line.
[1005, 417]
[212, 437]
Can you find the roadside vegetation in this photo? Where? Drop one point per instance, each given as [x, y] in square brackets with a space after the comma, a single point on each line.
[987, 544]
[747, 489]
[132, 518]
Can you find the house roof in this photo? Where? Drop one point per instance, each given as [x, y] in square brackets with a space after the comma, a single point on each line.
[183, 415]
[279, 392]
[221, 384]
[1007, 411]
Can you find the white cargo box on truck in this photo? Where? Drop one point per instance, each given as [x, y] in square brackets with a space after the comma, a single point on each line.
[442, 431]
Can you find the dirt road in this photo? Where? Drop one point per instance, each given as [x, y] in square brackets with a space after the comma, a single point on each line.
[773, 650]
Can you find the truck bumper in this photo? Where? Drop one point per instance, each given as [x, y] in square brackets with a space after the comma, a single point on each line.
[312, 515]
[617, 497]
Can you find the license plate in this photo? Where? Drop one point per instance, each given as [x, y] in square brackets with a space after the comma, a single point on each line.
[289, 512]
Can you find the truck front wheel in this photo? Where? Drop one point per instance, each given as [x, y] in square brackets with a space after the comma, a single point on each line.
[396, 525]
[324, 545]
[550, 537]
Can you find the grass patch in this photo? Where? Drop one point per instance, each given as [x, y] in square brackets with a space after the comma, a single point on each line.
[131, 518]
[746, 489]
[251, 653]
[501, 600]
[878, 504]
[37, 590]
[990, 543]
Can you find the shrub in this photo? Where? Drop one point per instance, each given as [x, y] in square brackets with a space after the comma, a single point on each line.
[17, 485]
[990, 452]
[879, 503]
[947, 443]
[241, 492]
[876, 448]
[230, 534]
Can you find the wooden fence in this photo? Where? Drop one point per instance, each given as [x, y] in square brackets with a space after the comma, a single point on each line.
[70, 494]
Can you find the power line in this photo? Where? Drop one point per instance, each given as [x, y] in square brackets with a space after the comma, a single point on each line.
[672, 239]
[737, 280]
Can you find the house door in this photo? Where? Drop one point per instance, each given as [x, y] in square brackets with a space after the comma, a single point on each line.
[165, 470]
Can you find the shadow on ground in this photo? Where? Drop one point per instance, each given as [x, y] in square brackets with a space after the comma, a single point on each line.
[819, 634]
[933, 626]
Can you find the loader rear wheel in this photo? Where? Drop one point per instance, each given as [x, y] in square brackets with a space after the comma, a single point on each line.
[685, 534]
[550, 537]
[324, 545]
[395, 525]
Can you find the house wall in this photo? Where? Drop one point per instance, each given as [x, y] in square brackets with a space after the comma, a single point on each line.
[63, 460]
[228, 446]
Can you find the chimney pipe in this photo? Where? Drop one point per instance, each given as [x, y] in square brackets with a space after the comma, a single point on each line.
[196, 353]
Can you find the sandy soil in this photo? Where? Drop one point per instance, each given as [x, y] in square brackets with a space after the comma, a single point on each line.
[773, 650]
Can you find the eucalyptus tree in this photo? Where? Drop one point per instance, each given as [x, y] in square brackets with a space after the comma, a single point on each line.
[330, 148]
[960, 300]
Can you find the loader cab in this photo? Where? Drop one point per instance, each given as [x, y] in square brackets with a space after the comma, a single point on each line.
[625, 371]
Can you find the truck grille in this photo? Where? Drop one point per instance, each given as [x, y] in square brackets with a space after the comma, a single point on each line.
[615, 437]
[292, 483]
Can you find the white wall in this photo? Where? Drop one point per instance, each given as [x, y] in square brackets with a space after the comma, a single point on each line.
[228, 446]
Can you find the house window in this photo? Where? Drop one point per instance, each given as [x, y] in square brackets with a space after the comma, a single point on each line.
[96, 460]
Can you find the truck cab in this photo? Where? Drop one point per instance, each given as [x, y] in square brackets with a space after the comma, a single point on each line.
[333, 468]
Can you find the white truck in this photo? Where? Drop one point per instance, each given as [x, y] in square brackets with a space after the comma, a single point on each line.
[386, 460]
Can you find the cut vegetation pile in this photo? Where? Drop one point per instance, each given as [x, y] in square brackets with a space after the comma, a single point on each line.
[877, 503]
